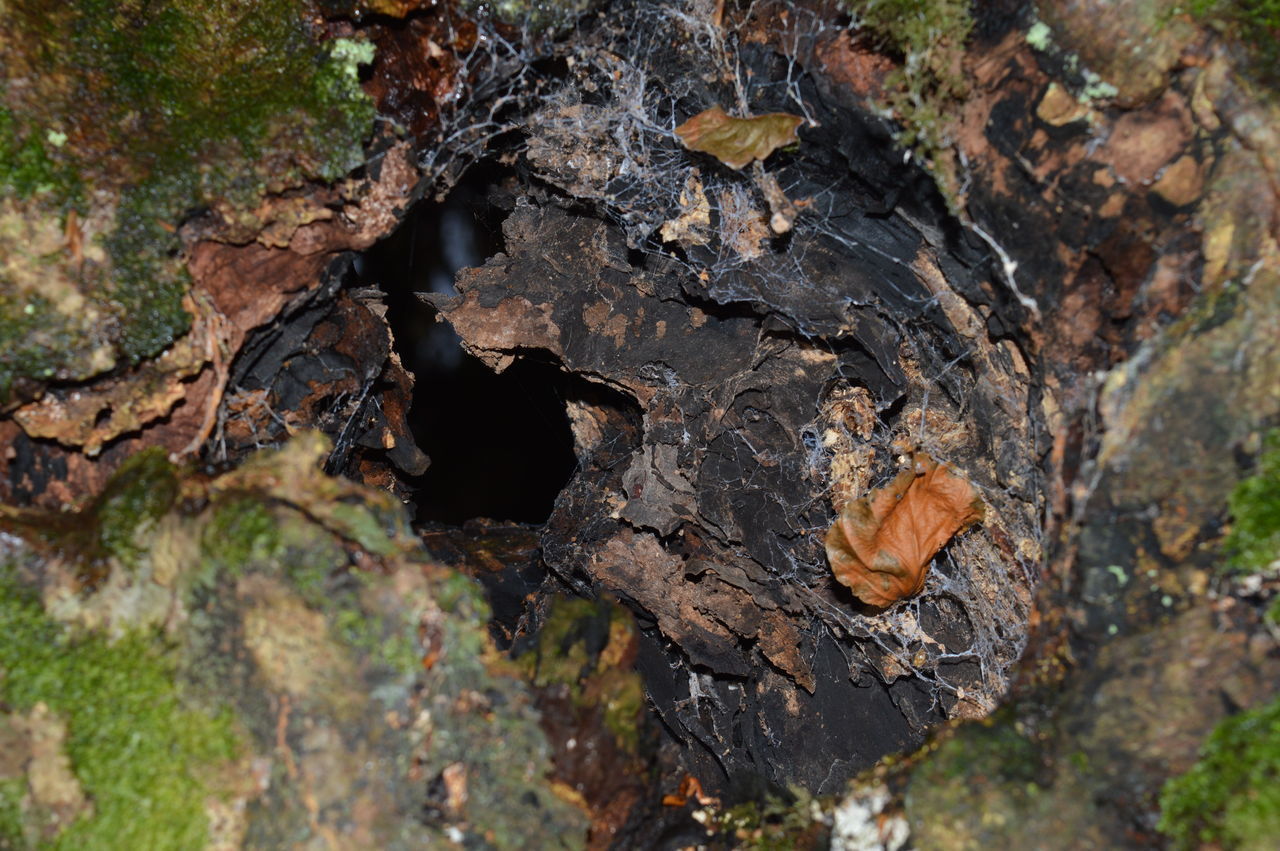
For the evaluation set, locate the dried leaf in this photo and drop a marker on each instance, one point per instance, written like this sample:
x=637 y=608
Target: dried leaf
x=881 y=545
x=738 y=141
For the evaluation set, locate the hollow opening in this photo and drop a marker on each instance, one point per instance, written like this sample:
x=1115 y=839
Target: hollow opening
x=499 y=443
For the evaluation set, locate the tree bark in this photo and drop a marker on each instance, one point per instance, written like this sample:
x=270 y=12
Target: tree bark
x=1068 y=294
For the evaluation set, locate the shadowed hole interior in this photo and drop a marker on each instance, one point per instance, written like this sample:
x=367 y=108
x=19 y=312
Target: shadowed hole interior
x=499 y=444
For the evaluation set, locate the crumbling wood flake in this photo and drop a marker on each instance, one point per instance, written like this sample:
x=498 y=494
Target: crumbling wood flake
x=881 y=545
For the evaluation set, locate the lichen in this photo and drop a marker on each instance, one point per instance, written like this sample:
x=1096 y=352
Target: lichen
x=1089 y=86
x=1039 y=36
x=1231 y=797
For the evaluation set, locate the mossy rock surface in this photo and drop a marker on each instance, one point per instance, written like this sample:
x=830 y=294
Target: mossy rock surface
x=225 y=674
x=1231 y=796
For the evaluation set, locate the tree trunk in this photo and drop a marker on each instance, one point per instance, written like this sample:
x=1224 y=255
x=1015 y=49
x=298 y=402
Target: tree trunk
x=1017 y=368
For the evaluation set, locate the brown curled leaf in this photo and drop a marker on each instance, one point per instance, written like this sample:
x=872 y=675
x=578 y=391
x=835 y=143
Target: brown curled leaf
x=881 y=545
x=738 y=141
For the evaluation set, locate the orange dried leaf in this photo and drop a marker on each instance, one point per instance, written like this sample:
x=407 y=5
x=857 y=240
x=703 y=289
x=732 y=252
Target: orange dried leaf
x=881 y=545
x=738 y=141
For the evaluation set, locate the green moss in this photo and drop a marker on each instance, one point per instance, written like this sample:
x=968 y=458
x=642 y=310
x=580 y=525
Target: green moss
x=1231 y=797
x=1254 y=541
x=311 y=558
x=461 y=597
x=361 y=524
x=148 y=279
x=582 y=646
x=260 y=524
x=139 y=493
x=241 y=531
x=170 y=108
x=775 y=823
x=26 y=169
x=11 y=832
x=977 y=783
x=561 y=655
x=991 y=749
x=930 y=36
x=1256 y=23
x=247 y=533
x=918 y=29
x=27 y=348
x=142 y=756
x=201 y=90
x=392 y=643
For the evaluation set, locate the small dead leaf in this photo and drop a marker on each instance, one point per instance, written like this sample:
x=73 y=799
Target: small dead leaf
x=738 y=141
x=881 y=545
x=690 y=787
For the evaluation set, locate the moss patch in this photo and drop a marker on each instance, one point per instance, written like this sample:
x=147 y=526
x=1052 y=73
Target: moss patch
x=1256 y=23
x=254 y=575
x=1254 y=541
x=143 y=113
x=240 y=532
x=983 y=787
x=1231 y=797
x=138 y=494
x=777 y=823
x=26 y=168
x=587 y=646
x=929 y=36
x=142 y=756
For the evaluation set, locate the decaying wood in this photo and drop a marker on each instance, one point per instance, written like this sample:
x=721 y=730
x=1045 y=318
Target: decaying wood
x=742 y=387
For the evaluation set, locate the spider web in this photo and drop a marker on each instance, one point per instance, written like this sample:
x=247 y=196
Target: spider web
x=864 y=274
